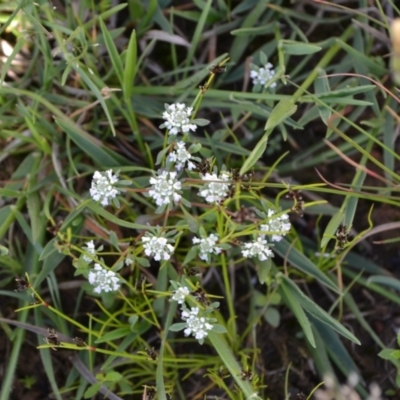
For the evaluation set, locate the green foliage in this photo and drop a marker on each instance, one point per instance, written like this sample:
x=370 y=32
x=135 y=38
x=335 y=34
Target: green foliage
x=87 y=88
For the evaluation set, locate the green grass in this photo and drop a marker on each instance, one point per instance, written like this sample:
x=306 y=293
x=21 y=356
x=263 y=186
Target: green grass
x=84 y=88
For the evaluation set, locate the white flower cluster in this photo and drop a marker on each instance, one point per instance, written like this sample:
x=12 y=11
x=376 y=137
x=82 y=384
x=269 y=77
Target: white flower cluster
x=263 y=75
x=165 y=188
x=277 y=226
x=180 y=294
x=218 y=187
x=207 y=246
x=195 y=325
x=103 y=187
x=103 y=279
x=257 y=248
x=177 y=119
x=157 y=247
x=91 y=250
x=180 y=156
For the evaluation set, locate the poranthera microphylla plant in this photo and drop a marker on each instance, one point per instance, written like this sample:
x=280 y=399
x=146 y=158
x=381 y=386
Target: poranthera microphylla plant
x=192 y=205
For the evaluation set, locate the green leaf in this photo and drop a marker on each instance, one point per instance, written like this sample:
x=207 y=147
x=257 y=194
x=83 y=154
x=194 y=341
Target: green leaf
x=396 y=354
x=272 y=316
x=298 y=48
x=90 y=145
x=192 y=222
x=92 y=390
x=113 y=52
x=200 y=121
x=143 y=262
x=388 y=281
x=283 y=110
x=292 y=303
x=217 y=328
x=363 y=59
x=255 y=155
x=259 y=30
x=225 y=354
x=316 y=310
x=113 y=335
x=130 y=67
x=263 y=270
x=3 y=250
x=114 y=239
x=97 y=209
x=332 y=228
x=178 y=327
x=321 y=85
x=113 y=376
x=190 y=255
x=386 y=354
x=303 y=263
x=342 y=93
x=132 y=322
x=336 y=350
x=95 y=90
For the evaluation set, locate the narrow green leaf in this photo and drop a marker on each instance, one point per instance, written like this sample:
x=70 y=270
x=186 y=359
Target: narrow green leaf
x=97 y=209
x=85 y=77
x=320 y=357
x=198 y=32
x=225 y=353
x=92 y=390
x=363 y=59
x=321 y=85
x=298 y=312
x=255 y=155
x=283 y=110
x=388 y=281
x=337 y=351
x=316 y=310
x=113 y=52
x=344 y=92
x=113 y=335
x=90 y=145
x=298 y=48
x=130 y=67
x=160 y=373
x=303 y=263
x=178 y=327
x=16 y=49
x=259 y=30
x=332 y=227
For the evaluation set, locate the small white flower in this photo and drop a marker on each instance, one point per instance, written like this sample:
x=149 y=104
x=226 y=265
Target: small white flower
x=103 y=187
x=103 y=280
x=177 y=119
x=263 y=75
x=157 y=246
x=128 y=261
x=207 y=246
x=257 y=248
x=196 y=326
x=165 y=188
x=217 y=189
x=180 y=294
x=280 y=226
x=180 y=156
x=91 y=250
